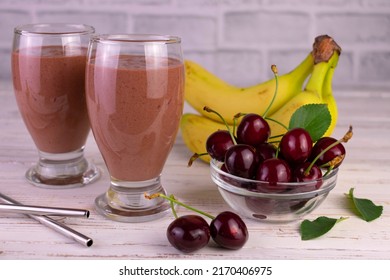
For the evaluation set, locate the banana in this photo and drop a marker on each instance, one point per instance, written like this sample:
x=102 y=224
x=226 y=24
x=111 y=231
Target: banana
x=317 y=91
x=328 y=98
x=203 y=88
x=195 y=129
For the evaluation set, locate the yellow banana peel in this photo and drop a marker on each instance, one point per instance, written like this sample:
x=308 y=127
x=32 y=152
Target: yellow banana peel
x=203 y=88
x=195 y=129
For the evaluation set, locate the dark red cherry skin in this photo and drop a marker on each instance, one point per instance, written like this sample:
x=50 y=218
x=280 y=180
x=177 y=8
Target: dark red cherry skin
x=241 y=161
x=188 y=233
x=265 y=151
x=296 y=145
x=273 y=171
x=224 y=169
x=229 y=231
x=322 y=144
x=261 y=207
x=218 y=143
x=314 y=175
x=253 y=130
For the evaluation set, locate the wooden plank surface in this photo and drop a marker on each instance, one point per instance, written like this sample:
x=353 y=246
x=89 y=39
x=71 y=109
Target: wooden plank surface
x=366 y=168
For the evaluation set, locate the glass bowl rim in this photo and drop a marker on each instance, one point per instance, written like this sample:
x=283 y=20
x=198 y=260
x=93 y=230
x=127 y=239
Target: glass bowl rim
x=244 y=192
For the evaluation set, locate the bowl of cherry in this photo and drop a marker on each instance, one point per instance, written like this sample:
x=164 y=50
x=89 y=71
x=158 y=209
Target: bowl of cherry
x=271 y=202
x=274 y=183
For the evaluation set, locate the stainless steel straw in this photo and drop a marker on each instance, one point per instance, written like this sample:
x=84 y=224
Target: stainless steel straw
x=53 y=224
x=43 y=210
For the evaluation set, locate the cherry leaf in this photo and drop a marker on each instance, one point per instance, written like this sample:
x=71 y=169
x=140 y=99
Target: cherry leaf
x=318 y=227
x=315 y=118
x=365 y=208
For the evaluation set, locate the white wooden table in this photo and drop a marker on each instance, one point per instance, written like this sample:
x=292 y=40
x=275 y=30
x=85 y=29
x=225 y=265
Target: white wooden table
x=366 y=168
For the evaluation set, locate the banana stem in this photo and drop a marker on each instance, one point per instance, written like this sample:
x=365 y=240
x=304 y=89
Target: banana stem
x=317 y=79
x=327 y=85
x=328 y=98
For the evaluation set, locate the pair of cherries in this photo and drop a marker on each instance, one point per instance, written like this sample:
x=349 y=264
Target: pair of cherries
x=189 y=233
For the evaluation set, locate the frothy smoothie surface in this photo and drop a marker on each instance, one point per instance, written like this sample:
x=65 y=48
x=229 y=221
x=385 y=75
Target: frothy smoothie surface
x=49 y=84
x=135 y=105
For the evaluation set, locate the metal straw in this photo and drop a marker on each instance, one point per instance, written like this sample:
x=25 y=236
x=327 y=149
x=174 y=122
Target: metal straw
x=43 y=210
x=53 y=224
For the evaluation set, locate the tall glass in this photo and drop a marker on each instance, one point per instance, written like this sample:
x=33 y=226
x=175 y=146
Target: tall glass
x=48 y=68
x=135 y=93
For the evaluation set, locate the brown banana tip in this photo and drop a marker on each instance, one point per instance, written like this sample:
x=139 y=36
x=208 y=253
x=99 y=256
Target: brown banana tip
x=323 y=48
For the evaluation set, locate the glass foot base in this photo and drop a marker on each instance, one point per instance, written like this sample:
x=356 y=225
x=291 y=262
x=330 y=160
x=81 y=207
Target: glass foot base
x=59 y=171
x=62 y=182
x=128 y=203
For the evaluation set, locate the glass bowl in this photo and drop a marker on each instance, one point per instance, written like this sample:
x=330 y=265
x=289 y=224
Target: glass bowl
x=278 y=203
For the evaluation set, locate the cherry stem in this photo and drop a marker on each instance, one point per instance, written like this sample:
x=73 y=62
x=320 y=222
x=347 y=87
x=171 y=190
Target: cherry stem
x=239 y=115
x=333 y=162
x=173 y=206
x=235 y=118
x=276 y=121
x=275 y=71
x=208 y=109
x=173 y=200
x=276 y=136
x=195 y=157
x=328 y=171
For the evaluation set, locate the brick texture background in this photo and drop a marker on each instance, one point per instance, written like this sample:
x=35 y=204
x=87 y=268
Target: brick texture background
x=236 y=39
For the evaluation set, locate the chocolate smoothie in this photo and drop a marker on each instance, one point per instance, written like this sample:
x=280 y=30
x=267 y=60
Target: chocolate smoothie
x=49 y=88
x=135 y=113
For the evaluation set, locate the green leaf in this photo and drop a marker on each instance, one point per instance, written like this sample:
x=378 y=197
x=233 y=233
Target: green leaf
x=315 y=118
x=318 y=227
x=365 y=208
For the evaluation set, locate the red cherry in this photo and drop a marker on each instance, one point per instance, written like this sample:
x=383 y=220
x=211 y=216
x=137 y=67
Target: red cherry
x=253 y=130
x=336 y=151
x=274 y=171
x=296 y=145
x=228 y=230
x=241 y=161
x=188 y=233
x=314 y=175
x=218 y=143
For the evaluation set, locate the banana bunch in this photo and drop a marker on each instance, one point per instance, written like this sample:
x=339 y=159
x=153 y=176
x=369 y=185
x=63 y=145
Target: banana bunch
x=203 y=88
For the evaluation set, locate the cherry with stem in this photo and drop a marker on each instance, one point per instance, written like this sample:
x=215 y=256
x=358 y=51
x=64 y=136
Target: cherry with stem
x=227 y=229
x=210 y=110
x=348 y=135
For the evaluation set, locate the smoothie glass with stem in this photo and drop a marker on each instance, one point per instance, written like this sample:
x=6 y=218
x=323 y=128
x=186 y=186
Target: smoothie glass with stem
x=48 y=70
x=135 y=95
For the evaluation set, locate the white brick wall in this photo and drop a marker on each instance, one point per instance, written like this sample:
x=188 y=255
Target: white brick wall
x=237 y=39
